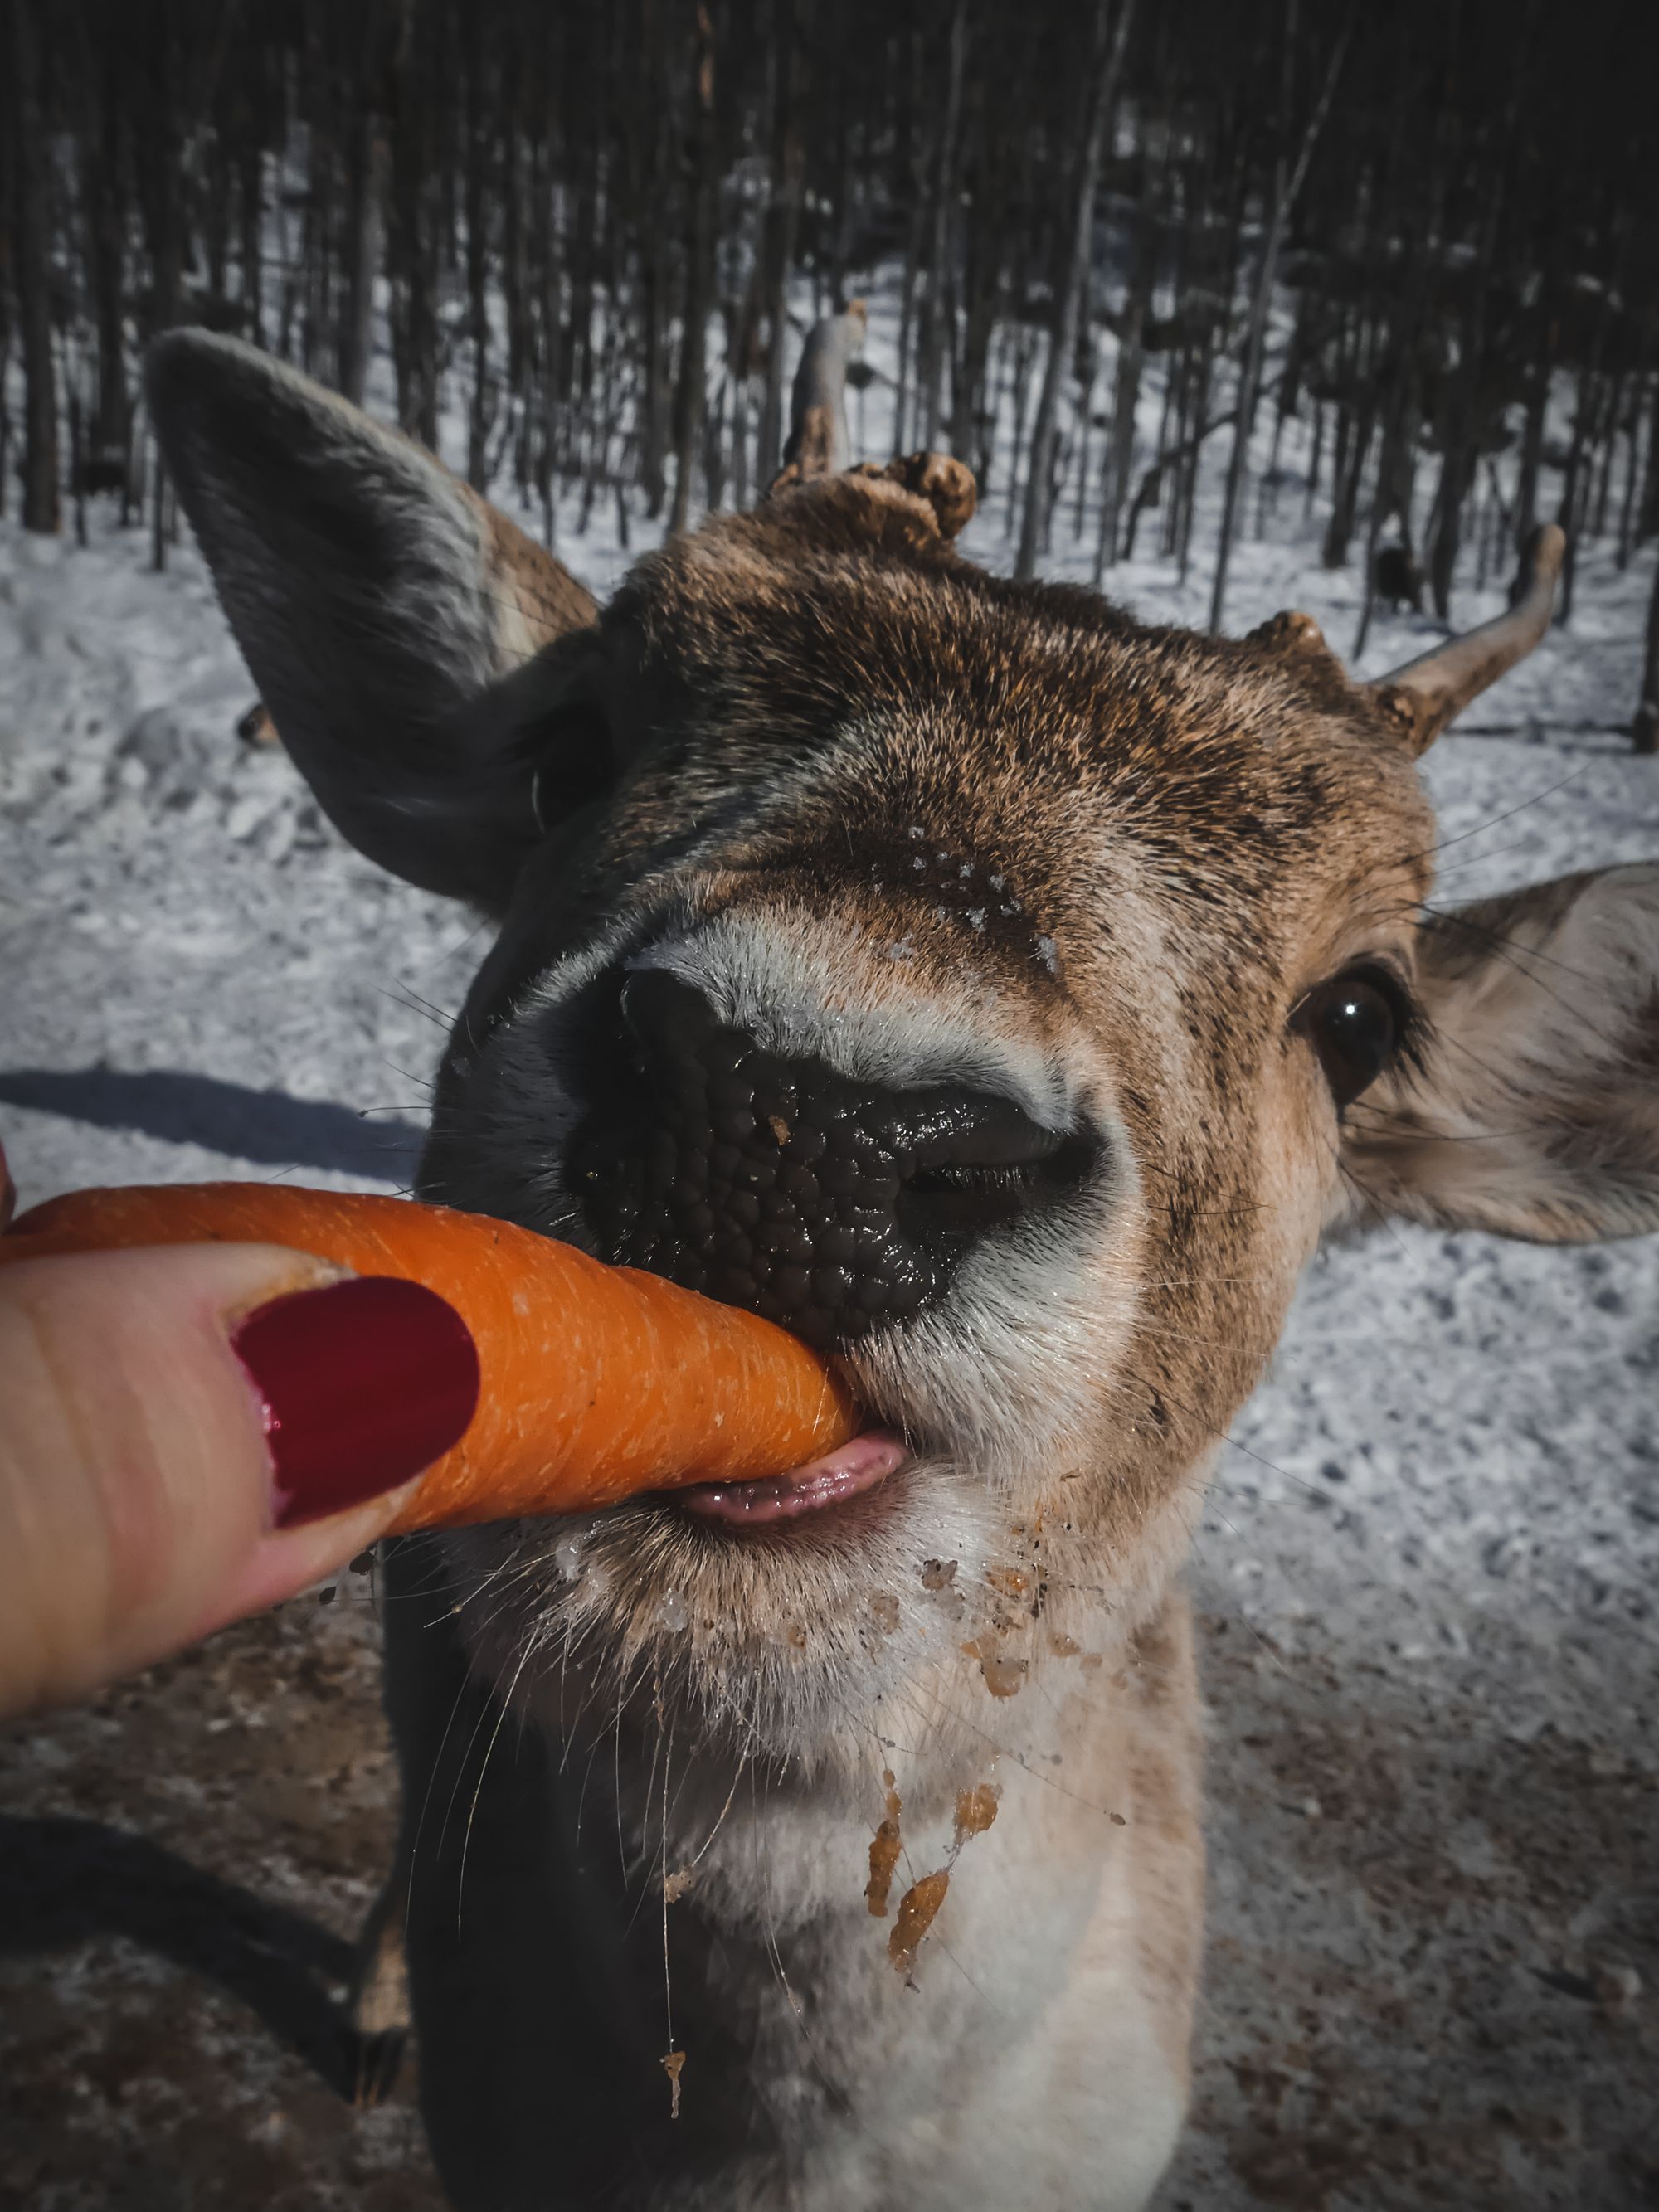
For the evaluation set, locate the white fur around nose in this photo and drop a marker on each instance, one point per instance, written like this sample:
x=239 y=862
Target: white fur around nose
x=809 y=992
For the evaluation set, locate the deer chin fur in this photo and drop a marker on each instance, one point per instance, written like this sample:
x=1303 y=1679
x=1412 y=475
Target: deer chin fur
x=1080 y=1908
x=788 y=1647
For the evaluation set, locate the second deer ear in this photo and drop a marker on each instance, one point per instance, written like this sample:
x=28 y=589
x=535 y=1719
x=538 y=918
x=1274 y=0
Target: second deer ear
x=383 y=609
x=1532 y=1107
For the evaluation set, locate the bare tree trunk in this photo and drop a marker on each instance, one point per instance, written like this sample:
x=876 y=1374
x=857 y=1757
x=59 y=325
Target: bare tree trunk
x=515 y=269
x=1648 y=522
x=103 y=239
x=1532 y=449
x=1570 y=513
x=77 y=457
x=32 y=198
x=1062 y=345
x=1126 y=389
x=781 y=226
x=969 y=414
x=1020 y=386
x=1348 y=477
x=251 y=194
x=1315 y=457
x=164 y=216
x=909 y=134
x=1608 y=427
x=653 y=474
x=1459 y=425
x=1644 y=731
x=550 y=321
x=1186 y=504
x=481 y=413
x=714 y=446
x=1632 y=462
x=655 y=305
x=1249 y=376
x=1395 y=474
x=316 y=324
x=366 y=164
x=413 y=241
x=692 y=398
x=931 y=348
x=5 y=411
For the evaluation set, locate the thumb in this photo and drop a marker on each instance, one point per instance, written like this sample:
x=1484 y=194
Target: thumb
x=195 y=1430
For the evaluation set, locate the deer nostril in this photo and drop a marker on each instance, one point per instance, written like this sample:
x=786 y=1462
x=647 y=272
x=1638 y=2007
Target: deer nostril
x=981 y=1181
x=673 y=1022
x=833 y=1206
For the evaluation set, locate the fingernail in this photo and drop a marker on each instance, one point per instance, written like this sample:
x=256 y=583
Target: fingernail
x=8 y=1192
x=364 y=1382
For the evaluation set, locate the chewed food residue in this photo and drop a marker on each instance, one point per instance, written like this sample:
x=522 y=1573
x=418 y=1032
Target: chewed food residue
x=918 y=1909
x=975 y=1811
x=885 y=1847
x=673 y=2066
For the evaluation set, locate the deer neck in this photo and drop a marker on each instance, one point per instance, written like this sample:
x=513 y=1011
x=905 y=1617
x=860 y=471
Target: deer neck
x=858 y=2014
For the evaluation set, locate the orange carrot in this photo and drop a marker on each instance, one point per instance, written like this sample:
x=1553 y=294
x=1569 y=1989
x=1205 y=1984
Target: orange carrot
x=597 y=1382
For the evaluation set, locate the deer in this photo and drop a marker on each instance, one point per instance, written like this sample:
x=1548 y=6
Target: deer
x=1007 y=995
x=1398 y=577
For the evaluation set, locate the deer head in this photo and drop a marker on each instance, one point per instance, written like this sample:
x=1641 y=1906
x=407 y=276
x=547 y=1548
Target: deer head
x=1002 y=992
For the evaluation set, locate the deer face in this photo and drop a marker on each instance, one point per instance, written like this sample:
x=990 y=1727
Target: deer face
x=947 y=986
x=1000 y=993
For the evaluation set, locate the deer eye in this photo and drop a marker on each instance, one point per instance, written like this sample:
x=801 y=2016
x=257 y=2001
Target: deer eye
x=1357 y=1023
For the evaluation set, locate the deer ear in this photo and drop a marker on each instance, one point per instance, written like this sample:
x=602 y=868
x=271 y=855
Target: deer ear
x=1535 y=1111
x=383 y=609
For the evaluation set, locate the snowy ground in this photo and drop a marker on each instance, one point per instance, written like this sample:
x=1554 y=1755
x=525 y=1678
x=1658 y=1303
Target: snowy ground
x=1425 y=1580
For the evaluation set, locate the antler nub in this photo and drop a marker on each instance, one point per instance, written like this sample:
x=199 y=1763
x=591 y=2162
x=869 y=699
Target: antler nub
x=817 y=444
x=926 y=497
x=1290 y=632
x=1427 y=693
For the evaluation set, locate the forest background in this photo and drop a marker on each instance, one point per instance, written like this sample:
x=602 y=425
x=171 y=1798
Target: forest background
x=1424 y=235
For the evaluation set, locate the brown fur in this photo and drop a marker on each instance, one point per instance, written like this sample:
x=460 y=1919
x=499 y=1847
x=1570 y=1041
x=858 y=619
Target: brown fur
x=867 y=795
x=1187 y=835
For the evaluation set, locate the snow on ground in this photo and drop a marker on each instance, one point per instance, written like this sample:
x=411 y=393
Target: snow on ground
x=1425 y=1579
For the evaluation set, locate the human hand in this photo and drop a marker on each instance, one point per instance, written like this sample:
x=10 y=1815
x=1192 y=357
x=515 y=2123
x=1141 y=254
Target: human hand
x=194 y=1431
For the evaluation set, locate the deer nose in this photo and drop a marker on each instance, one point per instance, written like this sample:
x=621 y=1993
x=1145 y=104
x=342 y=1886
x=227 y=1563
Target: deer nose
x=831 y=1206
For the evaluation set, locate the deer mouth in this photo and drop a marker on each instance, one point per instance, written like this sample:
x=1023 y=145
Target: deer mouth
x=854 y=1468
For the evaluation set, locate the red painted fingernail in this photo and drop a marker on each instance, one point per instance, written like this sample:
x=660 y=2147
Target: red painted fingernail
x=364 y=1382
x=8 y=1192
